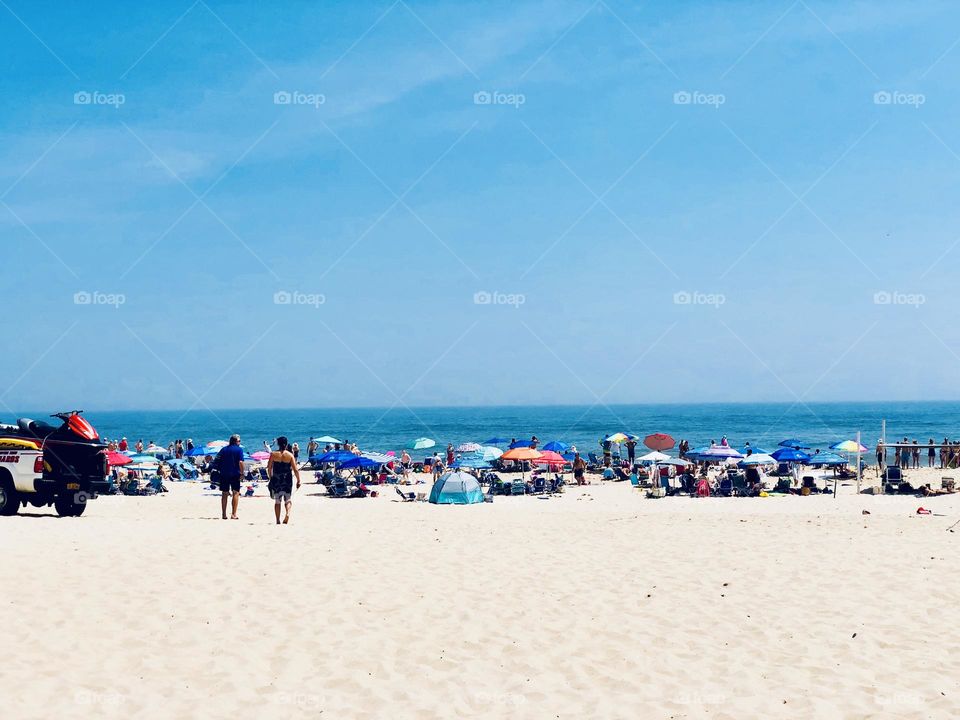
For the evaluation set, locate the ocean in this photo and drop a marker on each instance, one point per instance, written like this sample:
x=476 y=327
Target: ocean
x=763 y=425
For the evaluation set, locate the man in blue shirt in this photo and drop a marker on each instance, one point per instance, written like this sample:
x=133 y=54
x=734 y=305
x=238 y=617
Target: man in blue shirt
x=229 y=464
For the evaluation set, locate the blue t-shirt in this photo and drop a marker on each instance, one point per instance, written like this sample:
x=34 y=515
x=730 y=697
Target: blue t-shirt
x=228 y=461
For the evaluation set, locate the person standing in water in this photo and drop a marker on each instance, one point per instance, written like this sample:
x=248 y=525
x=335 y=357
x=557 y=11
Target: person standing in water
x=281 y=468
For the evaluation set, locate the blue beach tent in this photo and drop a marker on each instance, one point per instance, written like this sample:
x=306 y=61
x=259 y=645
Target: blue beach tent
x=456 y=488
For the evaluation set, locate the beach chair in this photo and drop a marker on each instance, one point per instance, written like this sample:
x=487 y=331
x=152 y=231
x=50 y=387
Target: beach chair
x=131 y=486
x=539 y=484
x=263 y=475
x=339 y=488
x=406 y=496
x=892 y=479
x=593 y=462
x=725 y=487
x=518 y=487
x=739 y=486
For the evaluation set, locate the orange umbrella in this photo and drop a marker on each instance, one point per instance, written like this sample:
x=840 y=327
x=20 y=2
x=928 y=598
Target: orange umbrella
x=521 y=453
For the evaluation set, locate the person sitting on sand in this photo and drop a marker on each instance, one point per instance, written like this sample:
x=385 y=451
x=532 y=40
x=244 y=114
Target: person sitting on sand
x=229 y=465
x=281 y=467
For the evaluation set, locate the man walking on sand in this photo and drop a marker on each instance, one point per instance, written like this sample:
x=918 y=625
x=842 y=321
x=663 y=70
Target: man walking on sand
x=229 y=463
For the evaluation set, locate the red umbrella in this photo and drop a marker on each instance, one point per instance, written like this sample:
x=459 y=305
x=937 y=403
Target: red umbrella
x=659 y=441
x=548 y=457
x=115 y=458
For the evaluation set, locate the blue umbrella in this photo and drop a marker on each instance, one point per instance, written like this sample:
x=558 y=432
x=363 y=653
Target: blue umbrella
x=794 y=443
x=470 y=462
x=827 y=459
x=753 y=450
x=200 y=452
x=789 y=454
x=556 y=446
x=496 y=441
x=519 y=443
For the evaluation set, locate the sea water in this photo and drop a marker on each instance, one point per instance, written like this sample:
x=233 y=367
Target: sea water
x=817 y=425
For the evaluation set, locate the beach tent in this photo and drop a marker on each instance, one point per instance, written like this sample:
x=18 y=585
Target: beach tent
x=456 y=488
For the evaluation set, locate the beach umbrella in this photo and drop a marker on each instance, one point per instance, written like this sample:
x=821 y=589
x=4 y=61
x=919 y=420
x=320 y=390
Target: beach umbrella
x=468 y=447
x=758 y=458
x=659 y=441
x=849 y=446
x=654 y=456
x=551 y=458
x=217 y=444
x=496 y=441
x=328 y=439
x=260 y=455
x=520 y=454
x=829 y=459
x=143 y=458
x=471 y=461
x=520 y=444
x=556 y=446
x=720 y=452
x=422 y=444
x=753 y=450
x=489 y=453
x=201 y=451
x=617 y=437
x=115 y=458
x=789 y=454
x=679 y=462
x=155 y=450
x=794 y=443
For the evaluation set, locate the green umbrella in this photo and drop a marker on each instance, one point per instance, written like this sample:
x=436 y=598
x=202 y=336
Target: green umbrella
x=422 y=444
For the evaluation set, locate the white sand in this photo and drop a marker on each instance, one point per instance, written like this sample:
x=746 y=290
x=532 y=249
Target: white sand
x=595 y=604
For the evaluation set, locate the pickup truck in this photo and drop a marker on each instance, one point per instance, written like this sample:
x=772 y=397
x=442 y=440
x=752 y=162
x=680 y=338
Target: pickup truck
x=43 y=465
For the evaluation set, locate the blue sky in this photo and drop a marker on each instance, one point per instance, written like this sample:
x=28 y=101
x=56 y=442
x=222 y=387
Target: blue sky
x=678 y=201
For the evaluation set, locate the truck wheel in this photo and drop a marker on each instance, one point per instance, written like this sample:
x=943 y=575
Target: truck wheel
x=70 y=504
x=9 y=497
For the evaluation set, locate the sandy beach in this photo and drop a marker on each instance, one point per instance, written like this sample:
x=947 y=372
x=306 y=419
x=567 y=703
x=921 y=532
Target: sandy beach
x=594 y=603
